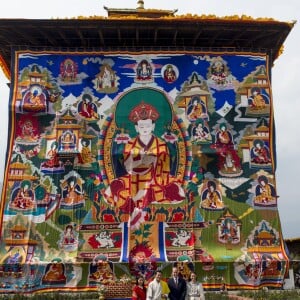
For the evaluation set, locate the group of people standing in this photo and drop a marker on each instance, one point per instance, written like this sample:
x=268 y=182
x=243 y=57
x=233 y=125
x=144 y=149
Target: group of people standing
x=176 y=288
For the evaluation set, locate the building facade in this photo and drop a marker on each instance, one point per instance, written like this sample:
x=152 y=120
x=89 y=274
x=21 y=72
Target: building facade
x=140 y=141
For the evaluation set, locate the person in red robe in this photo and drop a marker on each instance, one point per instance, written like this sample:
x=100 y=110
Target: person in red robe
x=139 y=290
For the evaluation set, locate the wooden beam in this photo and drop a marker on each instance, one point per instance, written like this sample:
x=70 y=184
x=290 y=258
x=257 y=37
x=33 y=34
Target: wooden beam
x=137 y=36
x=175 y=38
x=119 y=35
x=102 y=42
x=196 y=37
x=44 y=33
x=83 y=41
x=155 y=36
x=64 y=38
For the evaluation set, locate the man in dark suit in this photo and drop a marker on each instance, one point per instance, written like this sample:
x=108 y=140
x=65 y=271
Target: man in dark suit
x=177 y=286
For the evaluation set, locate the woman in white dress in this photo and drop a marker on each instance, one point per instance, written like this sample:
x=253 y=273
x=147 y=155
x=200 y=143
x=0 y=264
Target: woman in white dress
x=194 y=289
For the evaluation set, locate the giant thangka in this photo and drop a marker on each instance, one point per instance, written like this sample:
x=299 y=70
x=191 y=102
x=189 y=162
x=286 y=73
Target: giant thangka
x=121 y=163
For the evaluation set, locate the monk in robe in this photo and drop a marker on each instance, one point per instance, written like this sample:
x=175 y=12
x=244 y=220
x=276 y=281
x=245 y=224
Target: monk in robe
x=258 y=101
x=55 y=273
x=147 y=162
x=265 y=192
x=211 y=198
x=196 y=111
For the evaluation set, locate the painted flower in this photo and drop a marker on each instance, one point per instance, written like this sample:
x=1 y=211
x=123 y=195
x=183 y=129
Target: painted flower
x=122 y=138
x=169 y=137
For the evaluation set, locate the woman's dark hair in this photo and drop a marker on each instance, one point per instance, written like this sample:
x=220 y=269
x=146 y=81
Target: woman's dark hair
x=137 y=280
x=190 y=277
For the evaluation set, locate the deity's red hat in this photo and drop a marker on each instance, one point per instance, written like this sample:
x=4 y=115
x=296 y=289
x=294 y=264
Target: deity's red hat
x=143 y=111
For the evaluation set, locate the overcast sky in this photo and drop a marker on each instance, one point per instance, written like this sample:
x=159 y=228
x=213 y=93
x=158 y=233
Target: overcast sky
x=285 y=75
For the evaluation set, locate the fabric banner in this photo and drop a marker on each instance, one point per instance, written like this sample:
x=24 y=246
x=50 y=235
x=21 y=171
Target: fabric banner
x=120 y=163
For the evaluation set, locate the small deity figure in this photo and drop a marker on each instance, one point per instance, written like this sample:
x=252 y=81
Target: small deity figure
x=218 y=72
x=223 y=136
x=34 y=99
x=252 y=271
x=104 y=239
x=54 y=273
x=229 y=231
x=257 y=101
x=72 y=193
x=169 y=74
x=211 y=197
x=87 y=108
x=231 y=163
x=199 y=132
x=182 y=236
x=144 y=71
x=86 y=156
x=23 y=198
x=69 y=239
x=68 y=70
x=106 y=78
x=53 y=164
x=67 y=141
x=196 y=109
x=270 y=266
x=28 y=132
x=264 y=192
x=101 y=270
x=260 y=153
x=228 y=159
